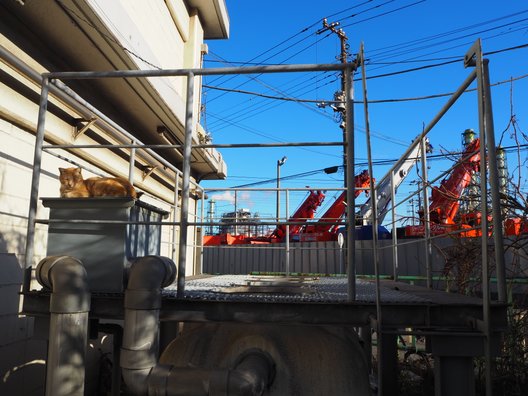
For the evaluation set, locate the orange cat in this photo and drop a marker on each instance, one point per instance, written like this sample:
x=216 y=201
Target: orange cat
x=74 y=186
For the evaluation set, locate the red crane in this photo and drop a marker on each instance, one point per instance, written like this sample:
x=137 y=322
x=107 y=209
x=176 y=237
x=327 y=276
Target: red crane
x=334 y=213
x=305 y=212
x=445 y=200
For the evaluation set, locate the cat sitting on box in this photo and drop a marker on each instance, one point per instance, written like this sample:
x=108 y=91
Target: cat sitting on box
x=73 y=185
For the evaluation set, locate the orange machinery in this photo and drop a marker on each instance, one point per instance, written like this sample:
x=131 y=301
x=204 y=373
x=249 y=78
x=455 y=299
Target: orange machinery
x=328 y=232
x=305 y=212
x=445 y=200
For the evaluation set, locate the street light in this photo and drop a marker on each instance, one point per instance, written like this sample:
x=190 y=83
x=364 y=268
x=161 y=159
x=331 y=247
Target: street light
x=279 y=164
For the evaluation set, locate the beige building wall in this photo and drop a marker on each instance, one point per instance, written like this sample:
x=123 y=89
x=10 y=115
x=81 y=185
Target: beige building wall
x=175 y=41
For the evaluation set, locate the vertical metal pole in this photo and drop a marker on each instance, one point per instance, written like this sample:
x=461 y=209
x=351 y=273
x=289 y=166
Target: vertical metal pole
x=484 y=217
x=394 y=233
x=65 y=374
x=495 y=188
x=132 y=163
x=35 y=178
x=427 y=219
x=287 y=244
x=278 y=191
x=174 y=214
x=350 y=191
x=186 y=177
x=202 y=233
x=374 y=222
x=340 y=243
x=236 y=214
x=131 y=166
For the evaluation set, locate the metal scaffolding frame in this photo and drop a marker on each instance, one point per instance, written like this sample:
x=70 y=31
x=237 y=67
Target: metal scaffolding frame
x=50 y=82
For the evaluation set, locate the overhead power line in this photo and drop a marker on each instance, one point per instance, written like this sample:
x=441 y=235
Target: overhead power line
x=254 y=107
x=389 y=50
x=339 y=168
x=384 y=13
x=287 y=99
x=282 y=50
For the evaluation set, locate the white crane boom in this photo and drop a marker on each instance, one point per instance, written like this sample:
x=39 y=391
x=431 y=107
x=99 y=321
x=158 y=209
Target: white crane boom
x=383 y=187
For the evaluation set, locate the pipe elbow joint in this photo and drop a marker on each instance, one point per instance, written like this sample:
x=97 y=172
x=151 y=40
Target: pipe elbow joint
x=151 y=272
x=68 y=281
x=146 y=277
x=254 y=372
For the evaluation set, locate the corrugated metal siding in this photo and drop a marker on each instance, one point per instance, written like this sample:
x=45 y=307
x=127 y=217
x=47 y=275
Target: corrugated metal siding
x=323 y=258
x=311 y=257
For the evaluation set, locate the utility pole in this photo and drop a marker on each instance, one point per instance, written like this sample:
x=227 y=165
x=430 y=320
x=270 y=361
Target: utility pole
x=339 y=96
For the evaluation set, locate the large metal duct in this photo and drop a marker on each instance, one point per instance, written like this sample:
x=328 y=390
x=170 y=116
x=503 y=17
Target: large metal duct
x=252 y=375
x=139 y=353
x=284 y=359
x=69 y=307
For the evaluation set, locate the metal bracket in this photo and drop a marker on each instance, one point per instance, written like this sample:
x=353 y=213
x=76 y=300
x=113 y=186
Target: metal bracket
x=81 y=129
x=147 y=171
x=470 y=59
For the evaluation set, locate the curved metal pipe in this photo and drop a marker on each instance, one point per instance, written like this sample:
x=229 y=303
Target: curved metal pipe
x=69 y=307
x=117 y=333
x=139 y=353
x=252 y=374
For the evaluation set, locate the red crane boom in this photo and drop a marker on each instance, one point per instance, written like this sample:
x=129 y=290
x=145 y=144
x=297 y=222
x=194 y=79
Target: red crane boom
x=445 y=199
x=305 y=212
x=338 y=208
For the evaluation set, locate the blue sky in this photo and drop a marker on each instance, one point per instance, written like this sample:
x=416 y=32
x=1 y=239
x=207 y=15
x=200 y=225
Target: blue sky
x=398 y=35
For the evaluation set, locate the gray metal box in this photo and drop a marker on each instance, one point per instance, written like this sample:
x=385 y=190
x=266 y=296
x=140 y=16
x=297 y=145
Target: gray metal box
x=105 y=249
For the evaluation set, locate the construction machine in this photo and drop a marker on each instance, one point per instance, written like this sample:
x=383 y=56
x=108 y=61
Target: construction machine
x=392 y=180
x=394 y=177
x=305 y=212
x=327 y=232
x=445 y=199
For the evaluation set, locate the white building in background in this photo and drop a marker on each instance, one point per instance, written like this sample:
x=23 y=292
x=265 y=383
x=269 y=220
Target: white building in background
x=72 y=35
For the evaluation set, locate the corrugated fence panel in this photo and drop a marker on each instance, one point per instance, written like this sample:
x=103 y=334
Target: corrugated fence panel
x=313 y=257
x=324 y=257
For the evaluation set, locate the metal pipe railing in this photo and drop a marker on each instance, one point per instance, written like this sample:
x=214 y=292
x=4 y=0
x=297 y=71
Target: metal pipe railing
x=494 y=185
x=374 y=223
x=427 y=216
x=190 y=73
x=196 y=72
x=481 y=74
x=35 y=178
x=85 y=109
x=194 y=146
x=186 y=176
x=350 y=184
x=76 y=101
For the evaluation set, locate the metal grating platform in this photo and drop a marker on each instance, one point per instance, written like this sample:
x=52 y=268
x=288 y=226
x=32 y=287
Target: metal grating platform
x=300 y=300
x=280 y=289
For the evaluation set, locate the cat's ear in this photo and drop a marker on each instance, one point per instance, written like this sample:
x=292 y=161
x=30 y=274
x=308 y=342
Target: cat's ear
x=78 y=170
x=61 y=170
